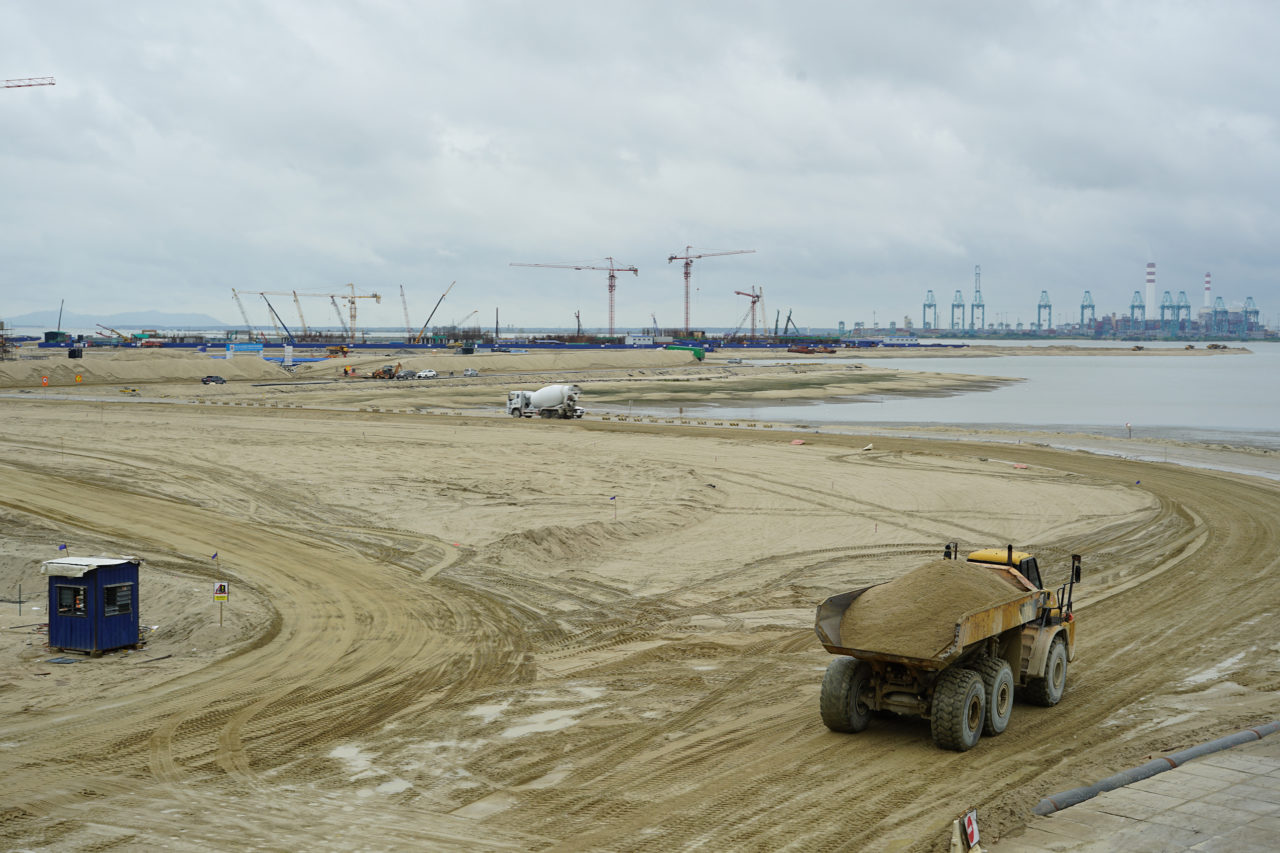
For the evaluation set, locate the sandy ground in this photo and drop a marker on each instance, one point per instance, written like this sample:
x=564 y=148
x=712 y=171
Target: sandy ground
x=464 y=632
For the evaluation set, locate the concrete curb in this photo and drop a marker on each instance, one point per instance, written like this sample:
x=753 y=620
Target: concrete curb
x=1075 y=796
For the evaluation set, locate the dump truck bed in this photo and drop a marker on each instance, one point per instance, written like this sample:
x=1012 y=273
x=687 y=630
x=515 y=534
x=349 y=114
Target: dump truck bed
x=929 y=616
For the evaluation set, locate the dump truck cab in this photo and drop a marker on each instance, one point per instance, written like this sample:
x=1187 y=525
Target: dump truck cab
x=1025 y=564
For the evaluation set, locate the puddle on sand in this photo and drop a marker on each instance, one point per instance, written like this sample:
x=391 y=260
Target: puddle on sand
x=394 y=786
x=547 y=721
x=1214 y=672
x=492 y=804
x=356 y=761
x=555 y=777
x=489 y=713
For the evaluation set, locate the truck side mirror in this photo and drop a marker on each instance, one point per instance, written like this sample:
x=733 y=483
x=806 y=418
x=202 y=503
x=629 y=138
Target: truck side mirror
x=1075 y=568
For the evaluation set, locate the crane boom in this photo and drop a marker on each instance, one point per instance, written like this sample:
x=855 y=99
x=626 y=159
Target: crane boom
x=688 y=259
x=418 y=339
x=613 y=269
x=408 y=327
x=249 y=330
x=351 y=305
x=341 y=322
x=298 y=304
x=274 y=313
x=22 y=82
x=755 y=298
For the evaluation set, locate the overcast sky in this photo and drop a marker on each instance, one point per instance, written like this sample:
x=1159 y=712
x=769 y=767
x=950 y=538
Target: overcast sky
x=867 y=152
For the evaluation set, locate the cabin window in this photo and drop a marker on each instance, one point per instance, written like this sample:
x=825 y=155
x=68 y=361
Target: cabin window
x=71 y=601
x=117 y=599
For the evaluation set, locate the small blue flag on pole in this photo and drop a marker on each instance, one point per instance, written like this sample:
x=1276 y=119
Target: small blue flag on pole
x=614 y=498
x=215 y=556
x=62 y=547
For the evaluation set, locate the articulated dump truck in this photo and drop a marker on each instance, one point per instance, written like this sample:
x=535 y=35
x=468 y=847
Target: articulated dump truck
x=950 y=641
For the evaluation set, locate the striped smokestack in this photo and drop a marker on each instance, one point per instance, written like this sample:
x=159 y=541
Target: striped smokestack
x=1207 y=291
x=1151 y=286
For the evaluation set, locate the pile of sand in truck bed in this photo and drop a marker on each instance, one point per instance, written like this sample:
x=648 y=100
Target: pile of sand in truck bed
x=915 y=615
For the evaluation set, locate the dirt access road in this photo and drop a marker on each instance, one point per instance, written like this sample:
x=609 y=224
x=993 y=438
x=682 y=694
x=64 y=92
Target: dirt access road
x=441 y=638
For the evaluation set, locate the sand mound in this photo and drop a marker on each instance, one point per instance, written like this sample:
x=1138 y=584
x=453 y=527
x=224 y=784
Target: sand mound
x=129 y=366
x=915 y=615
x=552 y=543
x=444 y=361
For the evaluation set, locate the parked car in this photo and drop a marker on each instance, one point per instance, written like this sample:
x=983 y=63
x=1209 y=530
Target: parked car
x=406 y=374
x=470 y=371
x=426 y=374
x=213 y=380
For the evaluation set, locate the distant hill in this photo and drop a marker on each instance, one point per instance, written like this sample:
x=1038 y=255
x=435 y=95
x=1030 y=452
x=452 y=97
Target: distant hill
x=127 y=321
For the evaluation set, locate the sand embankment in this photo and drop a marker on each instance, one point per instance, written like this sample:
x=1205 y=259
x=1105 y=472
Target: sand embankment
x=34 y=368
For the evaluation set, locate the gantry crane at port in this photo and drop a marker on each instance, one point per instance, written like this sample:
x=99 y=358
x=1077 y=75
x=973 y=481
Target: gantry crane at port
x=1086 y=304
x=688 y=259
x=978 y=306
x=613 y=269
x=23 y=82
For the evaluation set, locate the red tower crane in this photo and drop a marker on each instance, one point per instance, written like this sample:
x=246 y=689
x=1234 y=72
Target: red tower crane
x=688 y=269
x=755 y=298
x=613 y=269
x=28 y=81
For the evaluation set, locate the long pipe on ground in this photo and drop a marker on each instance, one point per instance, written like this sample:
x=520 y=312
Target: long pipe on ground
x=1075 y=796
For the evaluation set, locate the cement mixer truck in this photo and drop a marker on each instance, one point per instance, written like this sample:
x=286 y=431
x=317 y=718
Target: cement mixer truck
x=552 y=401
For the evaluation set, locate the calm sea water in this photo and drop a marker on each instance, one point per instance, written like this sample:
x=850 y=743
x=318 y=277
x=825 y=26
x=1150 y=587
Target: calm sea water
x=1196 y=398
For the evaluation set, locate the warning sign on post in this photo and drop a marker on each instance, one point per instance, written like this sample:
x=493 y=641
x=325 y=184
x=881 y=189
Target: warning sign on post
x=971 y=828
x=221 y=591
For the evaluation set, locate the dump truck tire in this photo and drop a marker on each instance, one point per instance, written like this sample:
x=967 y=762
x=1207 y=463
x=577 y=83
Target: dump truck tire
x=840 y=704
x=959 y=709
x=997 y=678
x=1048 y=690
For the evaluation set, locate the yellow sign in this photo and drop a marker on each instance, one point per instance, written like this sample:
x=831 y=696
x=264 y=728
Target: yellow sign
x=79 y=377
x=221 y=591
